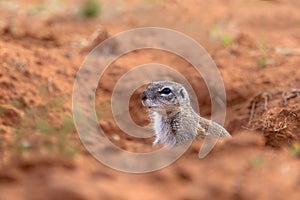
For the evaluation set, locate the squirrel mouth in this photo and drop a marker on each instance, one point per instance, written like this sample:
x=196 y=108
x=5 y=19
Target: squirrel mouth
x=148 y=105
x=153 y=107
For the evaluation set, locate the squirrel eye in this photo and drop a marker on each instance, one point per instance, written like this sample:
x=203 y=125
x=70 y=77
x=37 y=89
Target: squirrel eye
x=166 y=91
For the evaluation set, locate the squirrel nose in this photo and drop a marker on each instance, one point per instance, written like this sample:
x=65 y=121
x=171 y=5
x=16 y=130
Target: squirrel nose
x=143 y=96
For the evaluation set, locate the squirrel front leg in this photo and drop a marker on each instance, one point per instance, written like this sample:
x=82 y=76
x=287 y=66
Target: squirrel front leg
x=213 y=128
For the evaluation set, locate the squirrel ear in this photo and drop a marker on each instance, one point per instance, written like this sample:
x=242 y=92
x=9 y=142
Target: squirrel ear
x=182 y=93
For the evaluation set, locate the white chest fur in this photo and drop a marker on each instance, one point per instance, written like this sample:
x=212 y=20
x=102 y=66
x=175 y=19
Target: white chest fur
x=158 y=124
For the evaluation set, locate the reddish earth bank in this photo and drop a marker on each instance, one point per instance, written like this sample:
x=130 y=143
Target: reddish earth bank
x=255 y=45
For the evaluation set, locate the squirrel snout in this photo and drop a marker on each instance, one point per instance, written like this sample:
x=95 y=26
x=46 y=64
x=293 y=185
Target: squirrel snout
x=143 y=96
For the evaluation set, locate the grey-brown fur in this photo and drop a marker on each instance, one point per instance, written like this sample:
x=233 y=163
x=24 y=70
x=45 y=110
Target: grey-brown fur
x=174 y=120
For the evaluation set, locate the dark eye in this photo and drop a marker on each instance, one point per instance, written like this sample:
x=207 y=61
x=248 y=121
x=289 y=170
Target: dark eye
x=166 y=91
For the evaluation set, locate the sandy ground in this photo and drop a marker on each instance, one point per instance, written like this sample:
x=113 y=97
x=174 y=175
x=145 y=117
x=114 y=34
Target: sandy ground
x=256 y=46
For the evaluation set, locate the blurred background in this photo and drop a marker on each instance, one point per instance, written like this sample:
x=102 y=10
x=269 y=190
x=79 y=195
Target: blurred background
x=256 y=46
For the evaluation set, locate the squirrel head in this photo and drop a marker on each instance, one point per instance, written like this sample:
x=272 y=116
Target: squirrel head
x=165 y=97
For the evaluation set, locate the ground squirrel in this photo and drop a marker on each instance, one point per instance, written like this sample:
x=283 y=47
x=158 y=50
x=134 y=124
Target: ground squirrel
x=174 y=120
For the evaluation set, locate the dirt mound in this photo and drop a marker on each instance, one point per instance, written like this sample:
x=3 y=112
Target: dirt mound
x=277 y=116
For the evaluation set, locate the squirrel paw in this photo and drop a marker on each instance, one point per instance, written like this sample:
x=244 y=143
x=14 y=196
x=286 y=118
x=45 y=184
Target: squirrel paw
x=156 y=141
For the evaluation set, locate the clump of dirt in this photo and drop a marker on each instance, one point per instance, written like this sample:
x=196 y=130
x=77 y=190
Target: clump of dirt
x=277 y=117
x=280 y=126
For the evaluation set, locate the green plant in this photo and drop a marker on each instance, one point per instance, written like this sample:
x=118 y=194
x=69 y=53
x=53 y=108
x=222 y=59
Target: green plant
x=21 y=144
x=46 y=128
x=262 y=62
x=37 y=9
x=91 y=8
x=256 y=161
x=295 y=149
x=220 y=34
x=265 y=58
x=58 y=102
x=63 y=135
x=55 y=103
